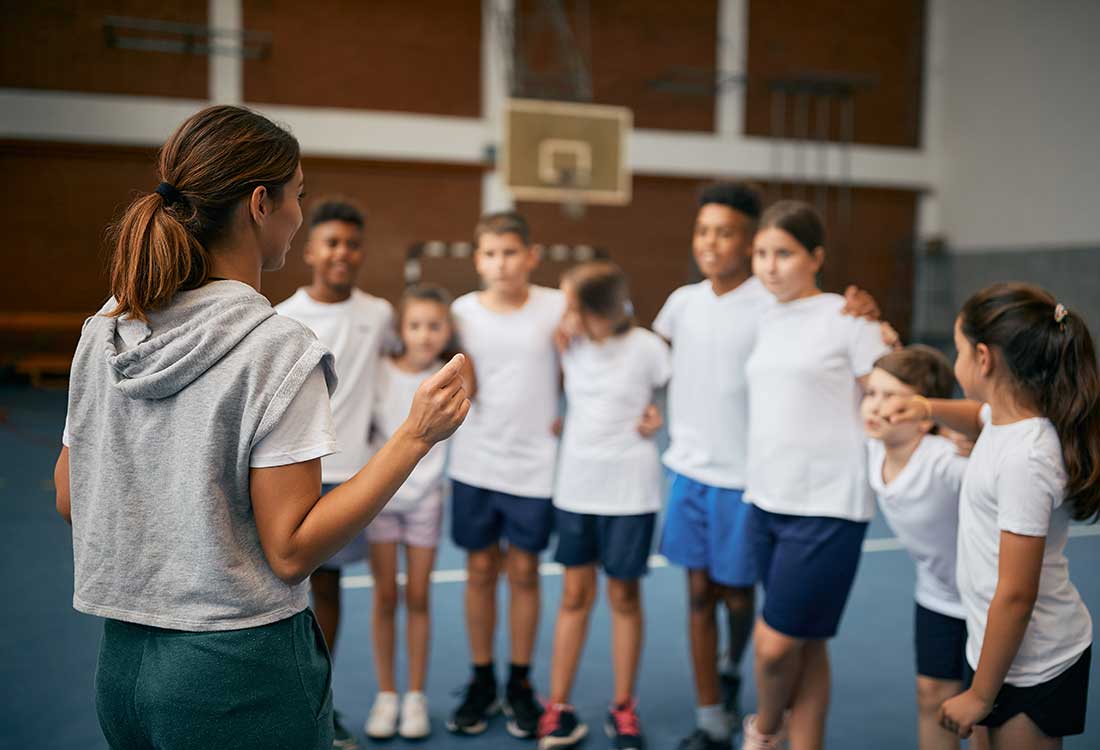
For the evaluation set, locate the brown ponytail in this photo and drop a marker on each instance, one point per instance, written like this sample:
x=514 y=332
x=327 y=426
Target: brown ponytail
x=1050 y=355
x=161 y=244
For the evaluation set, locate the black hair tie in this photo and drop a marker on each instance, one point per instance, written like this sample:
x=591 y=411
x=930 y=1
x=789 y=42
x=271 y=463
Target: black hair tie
x=169 y=193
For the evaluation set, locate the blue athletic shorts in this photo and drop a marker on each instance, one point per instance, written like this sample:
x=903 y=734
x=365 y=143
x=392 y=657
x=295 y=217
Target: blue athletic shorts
x=940 y=644
x=807 y=565
x=620 y=544
x=481 y=517
x=706 y=528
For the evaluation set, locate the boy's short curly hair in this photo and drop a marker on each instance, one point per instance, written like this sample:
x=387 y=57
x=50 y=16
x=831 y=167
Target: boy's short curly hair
x=740 y=196
x=336 y=209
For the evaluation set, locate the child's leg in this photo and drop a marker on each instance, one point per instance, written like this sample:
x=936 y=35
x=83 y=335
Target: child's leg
x=810 y=703
x=625 y=598
x=703 y=634
x=420 y=561
x=741 y=612
x=324 y=584
x=931 y=693
x=383 y=566
x=578 y=594
x=482 y=569
x=779 y=665
x=523 y=605
x=1020 y=733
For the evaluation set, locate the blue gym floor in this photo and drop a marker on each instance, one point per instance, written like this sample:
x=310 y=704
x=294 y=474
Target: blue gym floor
x=48 y=651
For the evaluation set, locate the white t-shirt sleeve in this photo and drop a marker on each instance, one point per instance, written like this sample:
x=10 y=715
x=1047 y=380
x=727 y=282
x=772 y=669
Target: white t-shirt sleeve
x=665 y=322
x=65 y=433
x=865 y=345
x=390 y=342
x=1028 y=491
x=951 y=468
x=660 y=362
x=304 y=432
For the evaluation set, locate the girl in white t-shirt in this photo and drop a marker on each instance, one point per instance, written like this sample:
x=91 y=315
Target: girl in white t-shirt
x=917 y=475
x=607 y=493
x=807 y=473
x=1035 y=466
x=411 y=519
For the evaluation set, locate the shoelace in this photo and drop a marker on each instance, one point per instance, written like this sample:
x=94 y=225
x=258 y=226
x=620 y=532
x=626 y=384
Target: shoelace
x=550 y=718
x=626 y=719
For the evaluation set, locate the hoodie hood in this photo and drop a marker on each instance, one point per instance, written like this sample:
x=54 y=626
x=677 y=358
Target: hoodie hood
x=181 y=342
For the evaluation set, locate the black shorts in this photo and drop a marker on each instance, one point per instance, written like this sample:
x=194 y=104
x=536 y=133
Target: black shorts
x=1057 y=706
x=940 y=644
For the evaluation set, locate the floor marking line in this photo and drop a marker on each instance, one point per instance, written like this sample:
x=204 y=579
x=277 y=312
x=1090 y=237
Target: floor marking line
x=546 y=569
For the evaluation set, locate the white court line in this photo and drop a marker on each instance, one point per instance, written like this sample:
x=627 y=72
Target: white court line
x=883 y=544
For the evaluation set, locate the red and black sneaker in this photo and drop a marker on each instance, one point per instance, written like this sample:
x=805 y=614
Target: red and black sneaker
x=559 y=727
x=623 y=726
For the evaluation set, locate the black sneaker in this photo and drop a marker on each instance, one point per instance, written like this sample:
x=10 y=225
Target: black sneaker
x=522 y=710
x=341 y=737
x=731 y=695
x=624 y=728
x=700 y=740
x=559 y=727
x=479 y=703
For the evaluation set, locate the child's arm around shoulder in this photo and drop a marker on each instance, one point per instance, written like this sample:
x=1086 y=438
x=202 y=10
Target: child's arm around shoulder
x=961 y=415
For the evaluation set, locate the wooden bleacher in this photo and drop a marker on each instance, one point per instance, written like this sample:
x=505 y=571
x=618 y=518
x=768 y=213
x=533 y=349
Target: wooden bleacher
x=46 y=343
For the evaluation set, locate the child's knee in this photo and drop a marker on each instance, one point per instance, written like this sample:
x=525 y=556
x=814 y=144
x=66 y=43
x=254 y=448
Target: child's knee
x=624 y=597
x=416 y=601
x=931 y=693
x=385 y=599
x=481 y=569
x=523 y=572
x=773 y=650
x=577 y=599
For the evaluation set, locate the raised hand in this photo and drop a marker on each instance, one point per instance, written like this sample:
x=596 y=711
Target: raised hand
x=440 y=404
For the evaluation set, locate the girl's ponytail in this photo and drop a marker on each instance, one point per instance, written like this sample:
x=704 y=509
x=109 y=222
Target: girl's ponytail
x=1049 y=353
x=161 y=245
x=1071 y=401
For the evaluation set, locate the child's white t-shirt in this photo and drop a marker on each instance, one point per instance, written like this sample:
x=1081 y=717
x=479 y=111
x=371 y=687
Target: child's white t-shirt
x=357 y=331
x=1016 y=483
x=921 y=505
x=807 y=451
x=393 y=395
x=606 y=467
x=708 y=401
x=507 y=442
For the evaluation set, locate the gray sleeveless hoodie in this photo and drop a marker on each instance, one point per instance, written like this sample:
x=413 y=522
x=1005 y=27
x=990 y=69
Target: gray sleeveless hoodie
x=162 y=420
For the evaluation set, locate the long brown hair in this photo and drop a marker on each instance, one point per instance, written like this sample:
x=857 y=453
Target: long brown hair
x=1049 y=353
x=217 y=157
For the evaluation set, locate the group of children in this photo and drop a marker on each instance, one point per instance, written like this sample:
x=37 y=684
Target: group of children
x=789 y=411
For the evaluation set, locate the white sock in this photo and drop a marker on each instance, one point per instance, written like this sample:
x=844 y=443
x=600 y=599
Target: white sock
x=714 y=721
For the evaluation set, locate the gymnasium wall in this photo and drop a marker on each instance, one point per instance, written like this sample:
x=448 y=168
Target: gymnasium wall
x=1019 y=150
x=393 y=103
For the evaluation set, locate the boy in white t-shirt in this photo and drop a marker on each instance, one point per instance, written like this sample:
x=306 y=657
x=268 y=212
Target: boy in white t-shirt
x=502 y=463
x=357 y=328
x=917 y=476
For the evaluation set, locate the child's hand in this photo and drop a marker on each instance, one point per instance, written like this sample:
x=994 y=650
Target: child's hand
x=650 y=422
x=961 y=713
x=916 y=409
x=963 y=444
x=890 y=337
x=555 y=427
x=860 y=304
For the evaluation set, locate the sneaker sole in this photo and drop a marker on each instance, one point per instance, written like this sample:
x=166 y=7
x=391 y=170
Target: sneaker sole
x=609 y=730
x=515 y=729
x=557 y=743
x=479 y=727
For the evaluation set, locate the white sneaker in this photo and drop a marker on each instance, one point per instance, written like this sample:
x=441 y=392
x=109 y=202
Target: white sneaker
x=415 y=724
x=382 y=719
x=753 y=739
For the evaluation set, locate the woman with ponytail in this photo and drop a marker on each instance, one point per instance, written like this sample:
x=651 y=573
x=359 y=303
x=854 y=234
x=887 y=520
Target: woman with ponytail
x=1028 y=366
x=190 y=470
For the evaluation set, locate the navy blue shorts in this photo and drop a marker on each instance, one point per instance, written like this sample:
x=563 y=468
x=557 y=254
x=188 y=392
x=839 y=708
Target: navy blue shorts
x=940 y=644
x=807 y=565
x=1057 y=706
x=620 y=544
x=481 y=517
x=706 y=528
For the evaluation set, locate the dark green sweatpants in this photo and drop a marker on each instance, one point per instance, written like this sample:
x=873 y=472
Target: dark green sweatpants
x=266 y=688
